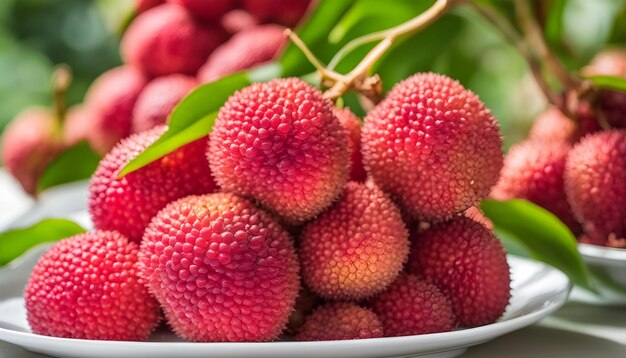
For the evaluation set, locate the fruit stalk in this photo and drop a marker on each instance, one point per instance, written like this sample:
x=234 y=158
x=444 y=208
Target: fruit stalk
x=61 y=80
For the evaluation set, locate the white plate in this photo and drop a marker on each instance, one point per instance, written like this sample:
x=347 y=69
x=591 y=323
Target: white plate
x=537 y=291
x=609 y=264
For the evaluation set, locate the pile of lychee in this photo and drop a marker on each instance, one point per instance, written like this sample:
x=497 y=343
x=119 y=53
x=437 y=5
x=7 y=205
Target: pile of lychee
x=169 y=49
x=290 y=218
x=575 y=167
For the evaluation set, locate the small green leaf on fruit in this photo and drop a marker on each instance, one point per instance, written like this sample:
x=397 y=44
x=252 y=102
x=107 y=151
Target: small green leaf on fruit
x=15 y=242
x=73 y=164
x=609 y=82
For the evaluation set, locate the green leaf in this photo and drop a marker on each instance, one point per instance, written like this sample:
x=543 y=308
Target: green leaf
x=75 y=163
x=15 y=242
x=542 y=234
x=609 y=82
x=554 y=20
x=191 y=119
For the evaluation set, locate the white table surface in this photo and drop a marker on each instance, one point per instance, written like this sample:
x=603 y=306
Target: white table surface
x=579 y=329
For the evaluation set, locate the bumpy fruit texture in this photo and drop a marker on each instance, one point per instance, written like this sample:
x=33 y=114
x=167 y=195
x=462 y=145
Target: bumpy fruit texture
x=477 y=215
x=110 y=101
x=87 y=287
x=207 y=10
x=167 y=39
x=533 y=170
x=306 y=302
x=433 y=146
x=238 y=20
x=158 y=99
x=279 y=143
x=77 y=124
x=29 y=143
x=340 y=320
x=353 y=125
x=284 y=12
x=356 y=248
x=595 y=184
x=127 y=204
x=468 y=264
x=413 y=306
x=554 y=126
x=222 y=269
x=245 y=49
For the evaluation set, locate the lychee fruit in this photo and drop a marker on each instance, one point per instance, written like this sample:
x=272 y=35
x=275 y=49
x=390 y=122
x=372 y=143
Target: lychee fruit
x=206 y=10
x=339 y=321
x=477 y=215
x=306 y=302
x=533 y=170
x=610 y=62
x=110 y=101
x=353 y=125
x=611 y=104
x=284 y=12
x=238 y=20
x=412 y=306
x=167 y=39
x=143 y=5
x=222 y=269
x=87 y=287
x=595 y=184
x=77 y=125
x=246 y=49
x=433 y=146
x=356 y=248
x=280 y=144
x=554 y=126
x=158 y=99
x=127 y=204
x=29 y=143
x=468 y=264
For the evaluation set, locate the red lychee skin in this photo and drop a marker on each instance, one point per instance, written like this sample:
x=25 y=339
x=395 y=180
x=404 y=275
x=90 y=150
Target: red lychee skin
x=468 y=264
x=29 y=143
x=143 y=5
x=127 y=204
x=595 y=184
x=110 y=100
x=76 y=125
x=353 y=125
x=433 y=146
x=222 y=269
x=413 y=306
x=279 y=143
x=306 y=302
x=206 y=10
x=284 y=12
x=167 y=39
x=477 y=215
x=87 y=287
x=554 y=126
x=612 y=103
x=339 y=321
x=238 y=20
x=356 y=248
x=245 y=49
x=158 y=99
x=533 y=170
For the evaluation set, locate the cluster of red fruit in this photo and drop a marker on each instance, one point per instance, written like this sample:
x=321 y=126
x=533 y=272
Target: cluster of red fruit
x=575 y=169
x=290 y=207
x=170 y=48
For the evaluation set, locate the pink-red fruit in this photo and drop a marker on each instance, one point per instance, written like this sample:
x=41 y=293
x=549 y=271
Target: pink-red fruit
x=246 y=49
x=338 y=321
x=158 y=99
x=284 y=12
x=413 y=306
x=433 y=146
x=468 y=264
x=110 y=101
x=356 y=248
x=280 y=144
x=222 y=269
x=167 y=39
x=595 y=184
x=127 y=204
x=352 y=124
x=533 y=170
x=77 y=124
x=87 y=287
x=29 y=143
x=554 y=126
x=206 y=10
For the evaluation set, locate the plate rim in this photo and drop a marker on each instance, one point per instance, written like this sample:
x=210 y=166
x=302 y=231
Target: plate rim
x=460 y=338
x=601 y=255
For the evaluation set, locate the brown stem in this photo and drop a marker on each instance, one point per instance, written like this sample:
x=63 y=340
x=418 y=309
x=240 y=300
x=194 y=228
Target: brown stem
x=61 y=79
